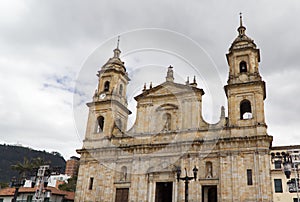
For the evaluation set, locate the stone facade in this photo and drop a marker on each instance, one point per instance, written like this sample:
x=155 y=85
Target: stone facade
x=139 y=165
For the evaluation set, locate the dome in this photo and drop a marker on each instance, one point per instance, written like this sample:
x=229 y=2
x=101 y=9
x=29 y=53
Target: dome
x=115 y=62
x=242 y=40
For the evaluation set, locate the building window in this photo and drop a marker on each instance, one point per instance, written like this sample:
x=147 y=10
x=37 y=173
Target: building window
x=1 y=199
x=245 y=110
x=277 y=164
x=295 y=200
x=100 y=122
x=121 y=89
x=278 y=185
x=106 y=86
x=249 y=177
x=243 y=67
x=91 y=183
x=29 y=198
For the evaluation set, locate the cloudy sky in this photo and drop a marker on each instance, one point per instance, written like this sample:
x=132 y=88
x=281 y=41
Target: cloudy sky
x=49 y=49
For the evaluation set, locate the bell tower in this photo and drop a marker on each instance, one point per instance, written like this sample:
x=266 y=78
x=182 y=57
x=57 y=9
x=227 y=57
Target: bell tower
x=108 y=110
x=245 y=89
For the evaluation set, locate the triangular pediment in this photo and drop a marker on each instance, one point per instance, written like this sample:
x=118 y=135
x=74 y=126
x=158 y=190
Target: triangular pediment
x=168 y=89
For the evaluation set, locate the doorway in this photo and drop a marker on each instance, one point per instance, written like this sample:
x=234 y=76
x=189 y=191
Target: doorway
x=122 y=194
x=163 y=192
x=209 y=194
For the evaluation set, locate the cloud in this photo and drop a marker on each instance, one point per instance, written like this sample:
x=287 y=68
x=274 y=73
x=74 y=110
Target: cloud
x=44 y=45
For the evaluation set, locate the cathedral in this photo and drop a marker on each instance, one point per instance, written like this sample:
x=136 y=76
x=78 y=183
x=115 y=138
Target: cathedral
x=171 y=154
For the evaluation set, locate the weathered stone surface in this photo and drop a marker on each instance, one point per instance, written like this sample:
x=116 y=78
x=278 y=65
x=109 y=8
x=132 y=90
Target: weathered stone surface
x=232 y=156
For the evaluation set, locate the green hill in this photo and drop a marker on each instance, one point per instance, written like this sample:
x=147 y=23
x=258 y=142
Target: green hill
x=11 y=155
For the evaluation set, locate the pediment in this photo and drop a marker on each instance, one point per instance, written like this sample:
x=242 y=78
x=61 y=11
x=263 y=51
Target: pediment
x=167 y=106
x=168 y=89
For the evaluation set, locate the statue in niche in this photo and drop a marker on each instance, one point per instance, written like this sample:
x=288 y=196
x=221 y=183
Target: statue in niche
x=208 y=173
x=167 y=119
x=123 y=176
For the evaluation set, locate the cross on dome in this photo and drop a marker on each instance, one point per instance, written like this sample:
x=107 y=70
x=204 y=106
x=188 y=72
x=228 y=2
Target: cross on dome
x=241 y=28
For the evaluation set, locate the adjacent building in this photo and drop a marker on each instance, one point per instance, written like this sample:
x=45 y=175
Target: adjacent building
x=141 y=164
x=42 y=187
x=27 y=194
x=285 y=189
x=72 y=166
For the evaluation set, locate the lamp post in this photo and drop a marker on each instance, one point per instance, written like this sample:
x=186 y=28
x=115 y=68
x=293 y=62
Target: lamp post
x=16 y=184
x=186 y=180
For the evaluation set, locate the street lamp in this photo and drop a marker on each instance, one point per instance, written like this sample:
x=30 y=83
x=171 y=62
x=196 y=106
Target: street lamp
x=17 y=185
x=186 y=180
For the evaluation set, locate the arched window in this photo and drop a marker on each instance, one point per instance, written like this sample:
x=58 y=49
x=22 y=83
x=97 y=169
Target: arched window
x=167 y=121
x=243 y=67
x=121 y=89
x=245 y=110
x=100 y=122
x=106 y=86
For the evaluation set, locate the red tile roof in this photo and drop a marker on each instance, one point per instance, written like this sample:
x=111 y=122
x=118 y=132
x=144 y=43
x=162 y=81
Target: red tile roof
x=11 y=192
x=69 y=195
x=7 y=192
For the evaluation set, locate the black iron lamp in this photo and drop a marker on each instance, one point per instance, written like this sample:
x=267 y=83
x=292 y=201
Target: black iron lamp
x=186 y=180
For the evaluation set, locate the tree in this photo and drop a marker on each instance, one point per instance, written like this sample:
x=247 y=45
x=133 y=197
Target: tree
x=37 y=162
x=56 y=154
x=22 y=168
x=28 y=167
x=70 y=186
x=3 y=185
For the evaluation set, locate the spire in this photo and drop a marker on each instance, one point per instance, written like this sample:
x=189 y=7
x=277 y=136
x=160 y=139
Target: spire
x=240 y=41
x=222 y=112
x=241 y=20
x=118 y=43
x=170 y=76
x=194 y=84
x=117 y=50
x=241 y=28
x=187 y=81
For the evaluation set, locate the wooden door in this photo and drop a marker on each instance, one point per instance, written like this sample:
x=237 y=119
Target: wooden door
x=163 y=192
x=122 y=194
